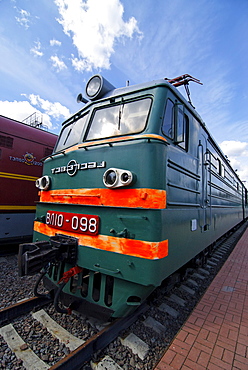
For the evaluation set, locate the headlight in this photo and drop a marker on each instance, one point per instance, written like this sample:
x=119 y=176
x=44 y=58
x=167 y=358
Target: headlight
x=110 y=178
x=93 y=86
x=115 y=178
x=43 y=183
x=97 y=86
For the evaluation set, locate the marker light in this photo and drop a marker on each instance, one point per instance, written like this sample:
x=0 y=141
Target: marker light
x=43 y=183
x=115 y=178
x=97 y=86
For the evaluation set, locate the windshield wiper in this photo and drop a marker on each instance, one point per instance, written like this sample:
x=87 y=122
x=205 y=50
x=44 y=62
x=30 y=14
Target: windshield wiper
x=120 y=115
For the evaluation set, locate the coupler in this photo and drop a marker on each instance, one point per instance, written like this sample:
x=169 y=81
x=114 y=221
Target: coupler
x=34 y=256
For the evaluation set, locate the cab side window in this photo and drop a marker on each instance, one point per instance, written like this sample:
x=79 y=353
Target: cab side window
x=176 y=124
x=182 y=128
x=168 y=122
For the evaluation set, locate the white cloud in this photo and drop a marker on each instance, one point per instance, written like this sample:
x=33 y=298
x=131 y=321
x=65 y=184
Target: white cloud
x=95 y=26
x=24 y=18
x=234 y=148
x=80 y=64
x=237 y=152
x=36 y=50
x=57 y=63
x=55 y=110
x=54 y=42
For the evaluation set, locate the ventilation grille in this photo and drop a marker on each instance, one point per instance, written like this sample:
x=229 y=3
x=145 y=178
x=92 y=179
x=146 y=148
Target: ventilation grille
x=6 y=141
x=92 y=285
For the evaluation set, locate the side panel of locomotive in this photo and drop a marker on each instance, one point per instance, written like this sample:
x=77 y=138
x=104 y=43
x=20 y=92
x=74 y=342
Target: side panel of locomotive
x=21 y=149
x=205 y=198
x=136 y=188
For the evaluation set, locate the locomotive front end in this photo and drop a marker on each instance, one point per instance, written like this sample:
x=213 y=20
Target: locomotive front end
x=97 y=234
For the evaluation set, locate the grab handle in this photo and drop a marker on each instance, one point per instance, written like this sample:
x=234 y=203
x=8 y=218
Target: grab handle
x=106 y=271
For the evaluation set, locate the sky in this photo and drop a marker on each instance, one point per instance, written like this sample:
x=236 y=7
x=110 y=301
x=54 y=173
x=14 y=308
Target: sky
x=50 y=48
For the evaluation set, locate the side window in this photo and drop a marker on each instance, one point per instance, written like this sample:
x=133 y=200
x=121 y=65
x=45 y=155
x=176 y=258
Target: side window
x=180 y=126
x=176 y=123
x=219 y=166
x=183 y=129
x=168 y=122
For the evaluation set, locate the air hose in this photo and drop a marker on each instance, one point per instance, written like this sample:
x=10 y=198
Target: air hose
x=62 y=282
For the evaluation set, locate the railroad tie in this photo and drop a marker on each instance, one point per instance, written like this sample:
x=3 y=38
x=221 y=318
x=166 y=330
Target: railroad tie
x=137 y=345
x=106 y=363
x=150 y=322
x=169 y=310
x=57 y=331
x=17 y=345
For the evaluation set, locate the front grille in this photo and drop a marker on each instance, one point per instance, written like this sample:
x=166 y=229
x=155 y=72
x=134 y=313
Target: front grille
x=91 y=285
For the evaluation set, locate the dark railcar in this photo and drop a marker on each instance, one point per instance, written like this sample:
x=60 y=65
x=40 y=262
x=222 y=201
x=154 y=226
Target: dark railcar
x=21 y=149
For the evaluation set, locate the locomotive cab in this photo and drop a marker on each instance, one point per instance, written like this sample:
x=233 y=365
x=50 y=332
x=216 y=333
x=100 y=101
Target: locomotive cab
x=125 y=198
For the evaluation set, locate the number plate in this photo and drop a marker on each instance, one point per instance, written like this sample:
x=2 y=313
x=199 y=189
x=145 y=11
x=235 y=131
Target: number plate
x=77 y=223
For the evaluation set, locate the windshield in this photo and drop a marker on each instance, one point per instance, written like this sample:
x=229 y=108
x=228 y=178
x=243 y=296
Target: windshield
x=122 y=119
x=71 y=134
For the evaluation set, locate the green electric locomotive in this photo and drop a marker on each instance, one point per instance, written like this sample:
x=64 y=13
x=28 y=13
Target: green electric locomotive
x=135 y=188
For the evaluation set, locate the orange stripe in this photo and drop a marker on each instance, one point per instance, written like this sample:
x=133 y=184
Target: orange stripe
x=115 y=139
x=131 y=247
x=133 y=198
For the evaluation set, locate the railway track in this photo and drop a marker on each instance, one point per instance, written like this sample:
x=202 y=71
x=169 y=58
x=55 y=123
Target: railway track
x=79 y=351
x=136 y=342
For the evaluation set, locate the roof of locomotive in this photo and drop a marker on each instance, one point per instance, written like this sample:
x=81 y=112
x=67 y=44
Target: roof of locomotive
x=139 y=87
x=149 y=85
x=130 y=89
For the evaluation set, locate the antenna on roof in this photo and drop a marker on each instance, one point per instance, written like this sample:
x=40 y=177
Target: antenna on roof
x=35 y=120
x=184 y=80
